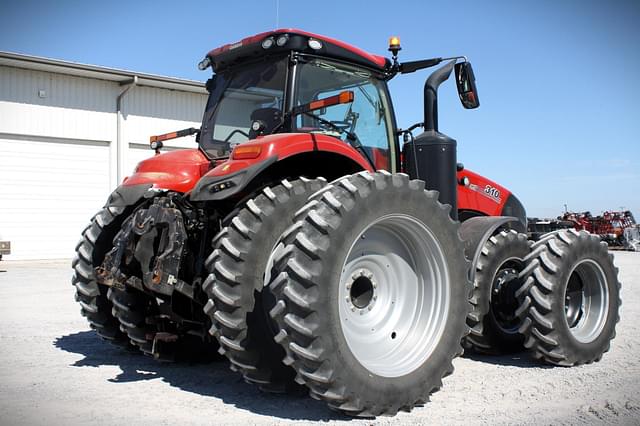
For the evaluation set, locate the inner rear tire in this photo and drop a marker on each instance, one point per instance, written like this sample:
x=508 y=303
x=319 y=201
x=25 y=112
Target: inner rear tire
x=155 y=334
x=131 y=307
x=493 y=320
x=238 y=303
x=370 y=278
x=570 y=303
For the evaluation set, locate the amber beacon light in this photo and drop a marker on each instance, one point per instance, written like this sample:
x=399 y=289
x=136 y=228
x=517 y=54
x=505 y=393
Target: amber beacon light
x=394 y=45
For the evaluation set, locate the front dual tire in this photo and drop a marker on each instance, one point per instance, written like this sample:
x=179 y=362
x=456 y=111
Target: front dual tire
x=570 y=302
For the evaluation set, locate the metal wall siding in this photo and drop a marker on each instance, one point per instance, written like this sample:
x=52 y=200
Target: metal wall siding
x=72 y=107
x=84 y=108
x=61 y=149
x=146 y=110
x=164 y=103
x=22 y=85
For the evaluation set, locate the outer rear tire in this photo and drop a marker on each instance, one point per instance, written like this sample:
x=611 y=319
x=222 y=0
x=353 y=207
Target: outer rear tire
x=371 y=222
x=570 y=303
x=493 y=321
x=95 y=243
x=238 y=305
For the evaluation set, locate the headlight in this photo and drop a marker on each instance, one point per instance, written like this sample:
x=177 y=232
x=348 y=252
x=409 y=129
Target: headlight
x=267 y=43
x=282 y=40
x=314 y=44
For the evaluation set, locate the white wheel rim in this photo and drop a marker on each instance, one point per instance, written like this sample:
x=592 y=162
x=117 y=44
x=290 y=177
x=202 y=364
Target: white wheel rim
x=394 y=295
x=594 y=306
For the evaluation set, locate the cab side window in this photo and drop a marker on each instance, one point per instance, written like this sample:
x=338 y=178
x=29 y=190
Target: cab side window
x=367 y=116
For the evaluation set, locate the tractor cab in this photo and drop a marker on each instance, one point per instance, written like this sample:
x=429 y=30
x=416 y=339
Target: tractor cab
x=289 y=81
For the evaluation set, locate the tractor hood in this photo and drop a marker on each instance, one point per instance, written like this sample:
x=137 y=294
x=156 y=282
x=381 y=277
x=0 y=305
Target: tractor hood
x=175 y=170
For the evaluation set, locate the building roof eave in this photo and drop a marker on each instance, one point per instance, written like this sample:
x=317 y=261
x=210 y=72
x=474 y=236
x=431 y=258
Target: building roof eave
x=38 y=63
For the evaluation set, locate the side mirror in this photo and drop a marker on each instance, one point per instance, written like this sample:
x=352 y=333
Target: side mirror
x=466 y=82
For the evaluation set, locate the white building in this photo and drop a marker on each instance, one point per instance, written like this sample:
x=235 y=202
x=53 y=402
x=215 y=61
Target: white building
x=69 y=133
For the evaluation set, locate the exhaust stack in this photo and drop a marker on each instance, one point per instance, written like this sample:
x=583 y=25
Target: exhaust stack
x=432 y=156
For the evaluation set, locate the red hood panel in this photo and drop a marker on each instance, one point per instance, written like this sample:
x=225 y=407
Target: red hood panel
x=175 y=170
x=482 y=194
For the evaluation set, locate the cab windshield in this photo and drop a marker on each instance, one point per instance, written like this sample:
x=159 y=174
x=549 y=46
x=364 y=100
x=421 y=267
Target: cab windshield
x=238 y=97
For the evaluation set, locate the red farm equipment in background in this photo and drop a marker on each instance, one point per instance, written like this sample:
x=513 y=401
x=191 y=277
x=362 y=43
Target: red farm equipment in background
x=609 y=226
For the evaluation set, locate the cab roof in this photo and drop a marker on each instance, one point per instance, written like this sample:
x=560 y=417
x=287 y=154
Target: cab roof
x=298 y=40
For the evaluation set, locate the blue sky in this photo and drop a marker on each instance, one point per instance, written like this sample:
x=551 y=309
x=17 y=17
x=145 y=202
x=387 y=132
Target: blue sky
x=559 y=81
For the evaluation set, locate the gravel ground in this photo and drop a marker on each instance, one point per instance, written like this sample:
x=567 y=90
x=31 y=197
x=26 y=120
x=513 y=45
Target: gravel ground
x=54 y=370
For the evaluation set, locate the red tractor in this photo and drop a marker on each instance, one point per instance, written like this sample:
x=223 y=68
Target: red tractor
x=310 y=247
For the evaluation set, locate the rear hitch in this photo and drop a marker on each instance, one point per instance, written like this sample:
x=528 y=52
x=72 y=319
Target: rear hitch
x=154 y=239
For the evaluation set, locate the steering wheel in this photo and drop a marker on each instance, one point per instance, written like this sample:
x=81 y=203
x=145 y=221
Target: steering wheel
x=234 y=132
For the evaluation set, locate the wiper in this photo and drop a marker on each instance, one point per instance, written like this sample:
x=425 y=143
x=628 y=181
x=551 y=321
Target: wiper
x=344 y=97
x=352 y=138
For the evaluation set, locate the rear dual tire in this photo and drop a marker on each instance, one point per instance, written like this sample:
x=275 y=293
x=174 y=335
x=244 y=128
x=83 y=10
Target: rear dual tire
x=372 y=275
x=95 y=243
x=239 y=302
x=153 y=333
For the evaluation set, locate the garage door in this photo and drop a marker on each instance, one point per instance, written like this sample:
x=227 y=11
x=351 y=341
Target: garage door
x=48 y=192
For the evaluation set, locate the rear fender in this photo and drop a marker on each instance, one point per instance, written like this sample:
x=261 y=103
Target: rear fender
x=233 y=176
x=125 y=196
x=477 y=230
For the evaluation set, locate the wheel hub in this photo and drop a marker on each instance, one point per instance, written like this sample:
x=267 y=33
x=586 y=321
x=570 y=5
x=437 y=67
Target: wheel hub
x=361 y=289
x=573 y=301
x=586 y=301
x=503 y=300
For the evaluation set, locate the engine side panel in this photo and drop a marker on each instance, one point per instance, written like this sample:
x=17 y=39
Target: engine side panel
x=482 y=195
